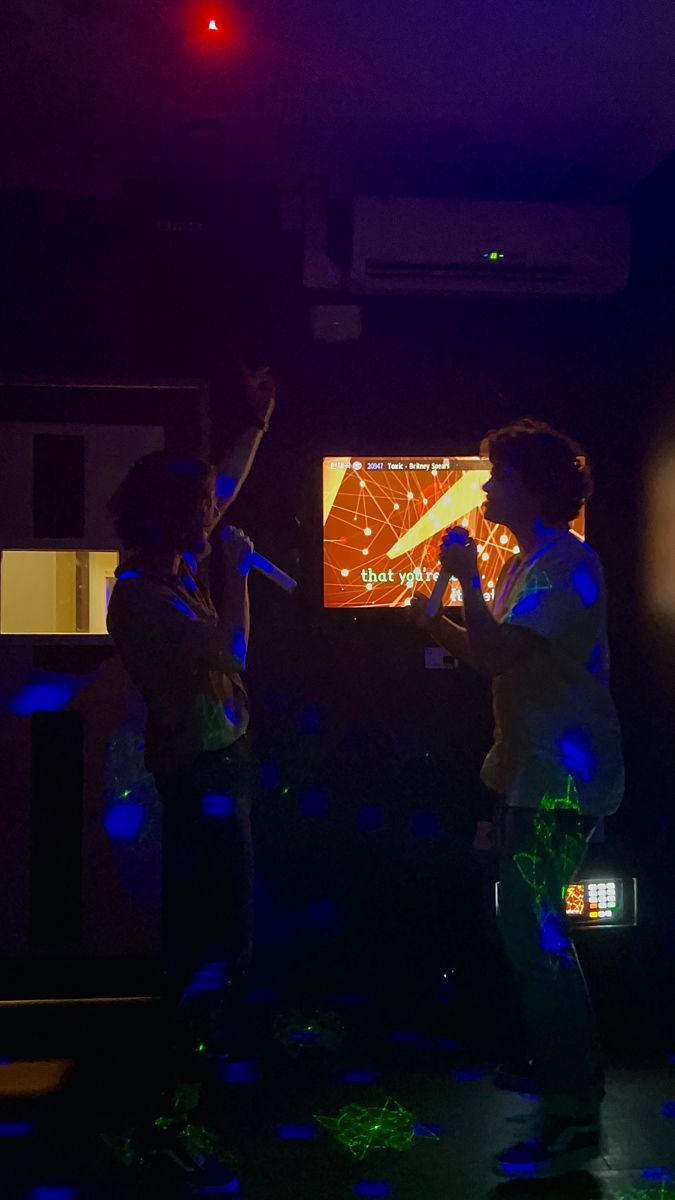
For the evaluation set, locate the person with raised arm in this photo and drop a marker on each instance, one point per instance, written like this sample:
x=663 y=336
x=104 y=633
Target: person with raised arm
x=184 y=647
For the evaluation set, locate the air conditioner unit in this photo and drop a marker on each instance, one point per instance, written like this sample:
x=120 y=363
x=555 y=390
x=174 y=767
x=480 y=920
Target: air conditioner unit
x=431 y=247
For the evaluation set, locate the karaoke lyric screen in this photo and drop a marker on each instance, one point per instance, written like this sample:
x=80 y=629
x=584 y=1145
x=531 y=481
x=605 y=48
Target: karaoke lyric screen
x=383 y=519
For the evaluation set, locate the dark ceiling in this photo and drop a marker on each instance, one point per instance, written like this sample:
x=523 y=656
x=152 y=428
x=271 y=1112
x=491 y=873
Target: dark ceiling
x=568 y=99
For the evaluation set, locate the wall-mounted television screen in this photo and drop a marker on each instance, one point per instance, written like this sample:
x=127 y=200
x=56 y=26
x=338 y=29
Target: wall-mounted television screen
x=383 y=519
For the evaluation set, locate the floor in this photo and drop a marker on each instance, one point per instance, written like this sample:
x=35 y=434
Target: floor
x=284 y=1099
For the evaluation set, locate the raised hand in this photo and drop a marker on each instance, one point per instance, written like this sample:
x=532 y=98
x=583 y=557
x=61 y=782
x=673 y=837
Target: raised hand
x=233 y=546
x=260 y=387
x=458 y=554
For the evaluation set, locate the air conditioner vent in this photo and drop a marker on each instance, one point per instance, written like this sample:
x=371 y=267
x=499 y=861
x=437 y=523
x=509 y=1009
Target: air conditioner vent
x=490 y=272
x=434 y=247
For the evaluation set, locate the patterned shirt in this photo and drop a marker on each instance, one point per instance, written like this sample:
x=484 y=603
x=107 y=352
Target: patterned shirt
x=166 y=631
x=555 y=721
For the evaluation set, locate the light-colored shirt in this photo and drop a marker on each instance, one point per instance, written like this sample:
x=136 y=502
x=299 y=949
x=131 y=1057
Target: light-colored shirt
x=556 y=728
x=166 y=631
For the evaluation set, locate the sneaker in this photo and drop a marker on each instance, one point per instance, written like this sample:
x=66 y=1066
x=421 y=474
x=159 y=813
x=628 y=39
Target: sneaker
x=516 y=1076
x=560 y=1145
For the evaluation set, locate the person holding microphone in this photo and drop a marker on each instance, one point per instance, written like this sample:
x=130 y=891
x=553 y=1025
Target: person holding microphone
x=184 y=647
x=556 y=758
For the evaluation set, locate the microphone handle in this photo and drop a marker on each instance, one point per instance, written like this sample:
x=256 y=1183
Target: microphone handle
x=257 y=562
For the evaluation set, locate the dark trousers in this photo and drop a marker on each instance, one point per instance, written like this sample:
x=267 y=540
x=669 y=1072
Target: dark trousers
x=207 y=922
x=541 y=852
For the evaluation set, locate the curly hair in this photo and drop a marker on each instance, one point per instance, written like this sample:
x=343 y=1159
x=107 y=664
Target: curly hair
x=552 y=466
x=155 y=506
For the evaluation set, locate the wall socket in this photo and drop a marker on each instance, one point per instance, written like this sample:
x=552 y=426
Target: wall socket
x=438 y=659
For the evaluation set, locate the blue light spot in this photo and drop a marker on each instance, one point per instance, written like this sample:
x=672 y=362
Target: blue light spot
x=597 y=660
x=270 y=775
x=552 y=936
x=230 y=1188
x=455 y=537
x=217 y=805
x=246 y=563
x=190 y=562
x=426 y=1130
x=668 y=1109
x=225 y=485
x=180 y=606
x=124 y=820
x=425 y=824
x=240 y=1072
x=447 y=1044
x=296 y=1133
x=15 y=1128
x=43 y=697
x=585 y=584
x=470 y=1075
x=231 y=713
x=239 y=645
x=409 y=1037
x=129 y=575
x=521 y=1168
x=577 y=755
x=226 y=1189
x=372 y=1187
x=313 y=802
x=358 y=1077
x=209 y=977
x=305 y=1037
x=526 y=604
x=370 y=818
x=52 y=1193
x=658 y=1173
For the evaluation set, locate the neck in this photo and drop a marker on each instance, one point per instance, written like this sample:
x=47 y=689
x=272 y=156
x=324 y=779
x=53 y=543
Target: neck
x=532 y=531
x=161 y=562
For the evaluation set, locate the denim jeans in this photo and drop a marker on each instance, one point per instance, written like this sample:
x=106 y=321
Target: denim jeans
x=207 y=880
x=540 y=854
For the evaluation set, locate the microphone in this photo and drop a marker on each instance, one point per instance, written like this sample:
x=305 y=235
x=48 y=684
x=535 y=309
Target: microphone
x=257 y=562
x=460 y=537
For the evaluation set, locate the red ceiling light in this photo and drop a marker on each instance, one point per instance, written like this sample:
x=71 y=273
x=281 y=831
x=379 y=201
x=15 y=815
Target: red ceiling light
x=214 y=26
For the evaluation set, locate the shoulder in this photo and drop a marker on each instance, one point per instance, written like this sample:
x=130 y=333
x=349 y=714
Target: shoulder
x=570 y=567
x=567 y=554
x=134 y=590
x=575 y=555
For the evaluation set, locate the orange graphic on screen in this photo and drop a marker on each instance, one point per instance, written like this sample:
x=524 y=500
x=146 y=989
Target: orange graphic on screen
x=574 y=900
x=383 y=521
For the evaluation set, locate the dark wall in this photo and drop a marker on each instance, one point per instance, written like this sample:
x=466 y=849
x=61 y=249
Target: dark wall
x=347 y=716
